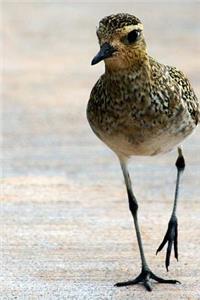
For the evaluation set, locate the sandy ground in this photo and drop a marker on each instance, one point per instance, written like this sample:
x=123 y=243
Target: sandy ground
x=66 y=232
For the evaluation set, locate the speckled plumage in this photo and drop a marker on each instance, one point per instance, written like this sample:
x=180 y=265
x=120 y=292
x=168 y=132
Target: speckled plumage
x=139 y=106
x=112 y=23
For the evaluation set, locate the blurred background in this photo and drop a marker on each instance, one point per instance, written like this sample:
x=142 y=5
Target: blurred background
x=66 y=229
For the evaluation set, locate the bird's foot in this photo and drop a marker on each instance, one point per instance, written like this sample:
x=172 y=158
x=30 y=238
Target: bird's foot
x=144 y=278
x=171 y=237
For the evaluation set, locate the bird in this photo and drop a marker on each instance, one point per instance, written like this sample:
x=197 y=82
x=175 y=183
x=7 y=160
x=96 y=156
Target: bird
x=140 y=107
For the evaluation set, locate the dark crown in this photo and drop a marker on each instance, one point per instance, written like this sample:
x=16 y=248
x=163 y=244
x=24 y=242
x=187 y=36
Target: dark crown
x=121 y=20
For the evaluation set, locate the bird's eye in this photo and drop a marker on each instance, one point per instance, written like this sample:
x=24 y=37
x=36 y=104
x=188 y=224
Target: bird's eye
x=133 y=36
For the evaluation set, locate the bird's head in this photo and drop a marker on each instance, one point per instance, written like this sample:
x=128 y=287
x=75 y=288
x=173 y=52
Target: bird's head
x=121 y=41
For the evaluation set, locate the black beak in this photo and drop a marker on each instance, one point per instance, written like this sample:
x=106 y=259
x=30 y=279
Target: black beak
x=106 y=51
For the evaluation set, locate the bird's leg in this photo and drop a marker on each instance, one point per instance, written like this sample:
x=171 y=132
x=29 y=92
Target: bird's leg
x=146 y=274
x=171 y=236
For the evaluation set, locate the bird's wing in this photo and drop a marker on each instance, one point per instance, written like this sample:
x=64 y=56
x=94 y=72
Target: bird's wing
x=187 y=93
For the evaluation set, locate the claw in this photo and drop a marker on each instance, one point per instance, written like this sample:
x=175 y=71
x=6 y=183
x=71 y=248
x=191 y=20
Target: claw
x=161 y=280
x=169 y=249
x=147 y=285
x=130 y=282
x=163 y=243
x=171 y=237
x=176 y=243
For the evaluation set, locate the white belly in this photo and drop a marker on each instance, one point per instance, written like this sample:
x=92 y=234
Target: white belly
x=126 y=146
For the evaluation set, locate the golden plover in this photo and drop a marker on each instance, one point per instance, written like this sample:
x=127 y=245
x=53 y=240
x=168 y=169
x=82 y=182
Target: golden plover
x=140 y=107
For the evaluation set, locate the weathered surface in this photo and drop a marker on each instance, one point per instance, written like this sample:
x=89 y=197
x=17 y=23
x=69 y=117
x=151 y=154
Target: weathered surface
x=65 y=227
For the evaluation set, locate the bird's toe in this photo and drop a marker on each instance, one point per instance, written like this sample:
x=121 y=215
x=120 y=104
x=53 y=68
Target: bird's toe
x=170 y=238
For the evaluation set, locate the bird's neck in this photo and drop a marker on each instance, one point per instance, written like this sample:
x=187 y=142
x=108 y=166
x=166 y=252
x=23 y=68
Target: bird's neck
x=118 y=68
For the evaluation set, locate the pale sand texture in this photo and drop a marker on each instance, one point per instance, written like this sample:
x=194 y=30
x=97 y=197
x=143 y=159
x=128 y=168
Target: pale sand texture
x=65 y=225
